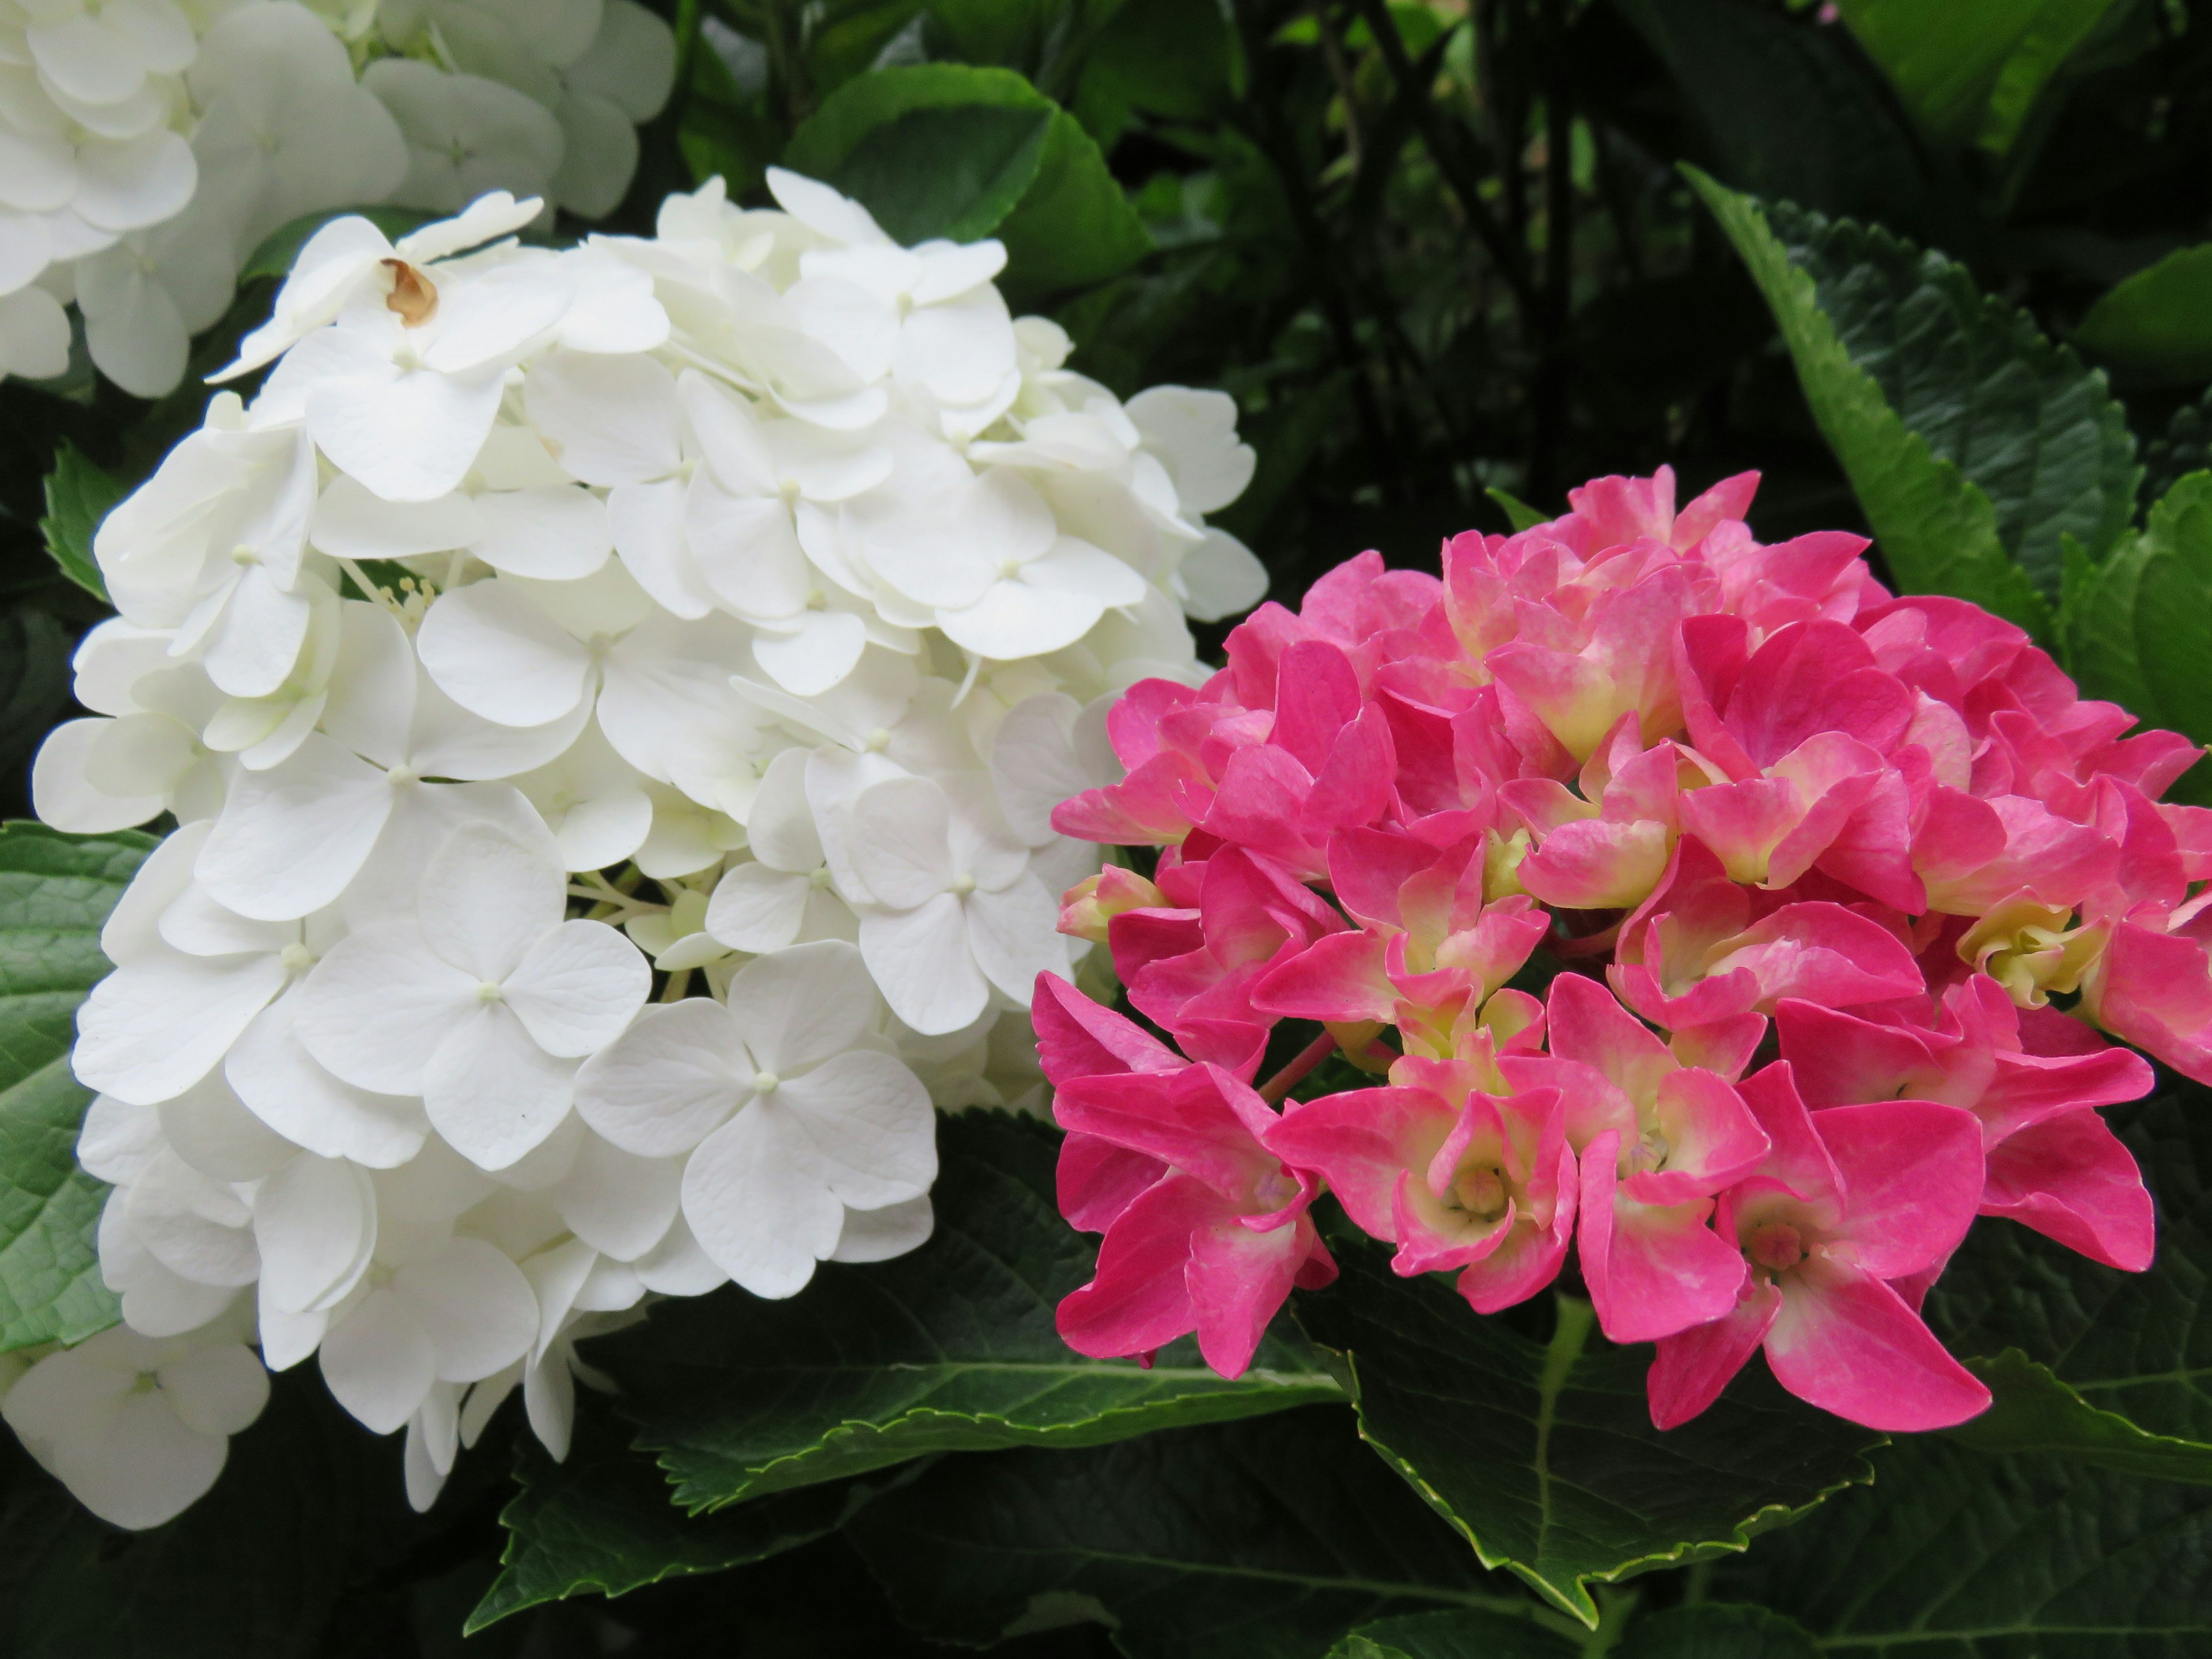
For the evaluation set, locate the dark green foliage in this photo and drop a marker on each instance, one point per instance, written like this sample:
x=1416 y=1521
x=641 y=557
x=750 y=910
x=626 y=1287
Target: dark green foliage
x=55 y=892
x=950 y=1348
x=1544 y=1455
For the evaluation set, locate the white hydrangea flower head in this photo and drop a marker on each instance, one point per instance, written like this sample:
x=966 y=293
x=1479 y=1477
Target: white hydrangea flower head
x=613 y=700
x=147 y=148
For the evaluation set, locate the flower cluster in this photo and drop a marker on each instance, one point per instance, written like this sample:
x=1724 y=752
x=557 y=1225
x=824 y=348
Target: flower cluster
x=1810 y=863
x=613 y=701
x=147 y=147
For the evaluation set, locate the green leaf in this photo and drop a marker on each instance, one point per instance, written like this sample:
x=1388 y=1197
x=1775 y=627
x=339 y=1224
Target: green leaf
x=603 y=1521
x=950 y=1348
x=1245 y=1540
x=954 y=172
x=308 y=1506
x=1714 y=1630
x=1462 y=1634
x=2138 y=1346
x=78 y=496
x=55 y=892
x=1972 y=442
x=2035 y=1411
x=1518 y=513
x=2184 y=447
x=2157 y=325
x=2138 y=627
x=1787 y=112
x=34 y=681
x=1545 y=1456
x=1165 y=57
x=282 y=246
x=1954 y=1555
x=1970 y=70
x=1071 y=225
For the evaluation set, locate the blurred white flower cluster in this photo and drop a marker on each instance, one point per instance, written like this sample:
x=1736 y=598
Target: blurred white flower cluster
x=613 y=701
x=147 y=147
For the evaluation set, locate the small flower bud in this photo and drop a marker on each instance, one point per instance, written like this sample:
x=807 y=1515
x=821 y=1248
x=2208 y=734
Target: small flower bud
x=1087 y=907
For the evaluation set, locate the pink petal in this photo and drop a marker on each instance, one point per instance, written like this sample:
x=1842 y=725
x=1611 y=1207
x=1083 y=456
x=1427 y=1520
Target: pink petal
x=2158 y=995
x=1530 y=1258
x=1912 y=1176
x=1361 y=1143
x=1712 y=1139
x=1339 y=978
x=1844 y=1342
x=2071 y=1179
x=1137 y=1299
x=1650 y=1271
x=1078 y=1037
x=1096 y=1181
x=1692 y=1367
x=1237 y=1279
x=1317 y=696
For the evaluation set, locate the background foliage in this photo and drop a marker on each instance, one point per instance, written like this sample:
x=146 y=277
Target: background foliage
x=1940 y=272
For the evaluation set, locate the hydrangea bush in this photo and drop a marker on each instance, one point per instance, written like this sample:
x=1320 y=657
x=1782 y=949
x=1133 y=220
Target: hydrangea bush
x=712 y=620
x=1805 y=864
x=700 y=975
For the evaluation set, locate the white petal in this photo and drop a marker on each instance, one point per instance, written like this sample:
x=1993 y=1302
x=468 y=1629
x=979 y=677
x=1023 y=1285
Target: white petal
x=577 y=986
x=475 y=1306
x=604 y=831
x=219 y=1388
x=493 y=1093
x=826 y=647
x=211 y=1129
x=152 y=1029
x=315 y=1221
x=549 y=1400
x=755 y=1206
x=921 y=960
x=755 y=908
x=379 y=1006
x=556 y=1276
x=947 y=550
x=556 y=532
x=1015 y=936
x=63 y=797
x=290 y=838
x=254 y=648
x=489 y=898
x=117 y=1138
x=610 y=420
x=658 y=1088
x=379 y=1362
x=823 y=210
x=873 y=1129
x=283 y=1086
x=195 y=1227
x=1220 y=577
x=1013 y=620
x=130 y=183
x=616 y=1201
x=498 y=655
x=647 y=523
x=148 y=1467
x=408 y=434
x=351 y=522
x=677 y=1266
x=879 y=1235
x=289 y=1337
x=780 y=827
x=1034 y=765
x=900 y=842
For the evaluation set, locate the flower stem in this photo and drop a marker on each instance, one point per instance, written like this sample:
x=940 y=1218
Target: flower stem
x=1302 y=1062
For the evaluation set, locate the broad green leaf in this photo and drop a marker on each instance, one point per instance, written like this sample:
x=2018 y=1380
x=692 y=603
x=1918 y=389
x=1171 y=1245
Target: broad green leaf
x=953 y=172
x=1071 y=225
x=1518 y=514
x=282 y=246
x=1461 y=1633
x=1715 y=1631
x=1970 y=70
x=2033 y=1412
x=55 y=892
x=950 y=1348
x=1244 y=1540
x=2157 y=325
x=602 y=1521
x=34 y=681
x=1787 y=112
x=2138 y=1346
x=1166 y=58
x=78 y=496
x=1953 y=1555
x=2138 y=627
x=1972 y=442
x=307 y=1507
x=1545 y=1456
x=2184 y=447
